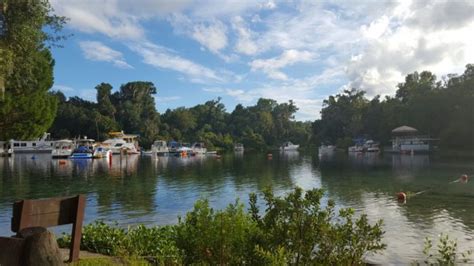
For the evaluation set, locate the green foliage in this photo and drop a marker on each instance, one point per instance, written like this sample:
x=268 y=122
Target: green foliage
x=441 y=110
x=215 y=237
x=446 y=254
x=27 y=109
x=292 y=230
x=296 y=229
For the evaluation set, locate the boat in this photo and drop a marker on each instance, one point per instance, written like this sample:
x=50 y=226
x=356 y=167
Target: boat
x=84 y=149
x=121 y=142
x=82 y=152
x=326 y=150
x=101 y=151
x=63 y=148
x=238 y=147
x=288 y=146
x=146 y=153
x=173 y=147
x=41 y=145
x=371 y=146
x=159 y=147
x=199 y=148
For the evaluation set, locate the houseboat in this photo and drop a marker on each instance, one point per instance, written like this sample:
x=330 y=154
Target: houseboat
x=121 y=142
x=159 y=147
x=288 y=146
x=408 y=140
x=41 y=145
x=63 y=148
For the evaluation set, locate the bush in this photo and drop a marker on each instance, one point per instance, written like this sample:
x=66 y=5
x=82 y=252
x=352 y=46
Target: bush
x=293 y=230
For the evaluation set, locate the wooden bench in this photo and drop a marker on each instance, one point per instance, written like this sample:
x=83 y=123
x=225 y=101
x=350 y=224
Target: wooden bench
x=52 y=212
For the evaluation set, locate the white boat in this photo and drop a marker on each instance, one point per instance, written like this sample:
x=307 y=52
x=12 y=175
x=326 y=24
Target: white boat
x=239 y=147
x=101 y=151
x=121 y=142
x=199 y=148
x=159 y=147
x=146 y=153
x=288 y=146
x=63 y=148
x=41 y=145
x=326 y=150
x=371 y=146
x=84 y=149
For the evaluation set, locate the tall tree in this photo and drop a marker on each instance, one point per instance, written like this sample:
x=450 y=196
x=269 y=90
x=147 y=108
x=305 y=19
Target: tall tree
x=27 y=109
x=137 y=112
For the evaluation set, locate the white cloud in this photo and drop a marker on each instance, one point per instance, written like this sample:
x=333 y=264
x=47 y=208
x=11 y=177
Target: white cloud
x=167 y=99
x=212 y=36
x=105 y=17
x=245 y=37
x=97 y=51
x=410 y=38
x=163 y=58
x=63 y=88
x=272 y=66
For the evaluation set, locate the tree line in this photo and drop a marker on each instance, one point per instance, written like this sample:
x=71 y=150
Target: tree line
x=132 y=109
x=439 y=108
x=442 y=109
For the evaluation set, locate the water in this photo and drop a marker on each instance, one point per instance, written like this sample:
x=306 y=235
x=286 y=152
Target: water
x=145 y=190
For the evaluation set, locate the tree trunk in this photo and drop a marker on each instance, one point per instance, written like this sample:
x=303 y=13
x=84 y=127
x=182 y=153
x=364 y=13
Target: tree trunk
x=40 y=247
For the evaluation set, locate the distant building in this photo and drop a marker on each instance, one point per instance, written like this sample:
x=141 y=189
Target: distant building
x=407 y=139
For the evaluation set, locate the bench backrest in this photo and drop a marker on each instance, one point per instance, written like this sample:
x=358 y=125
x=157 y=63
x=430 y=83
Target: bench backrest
x=51 y=212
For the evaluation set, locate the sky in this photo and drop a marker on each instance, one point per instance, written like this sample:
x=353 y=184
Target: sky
x=242 y=50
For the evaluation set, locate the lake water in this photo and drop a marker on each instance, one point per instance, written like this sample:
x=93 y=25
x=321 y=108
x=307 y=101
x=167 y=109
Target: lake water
x=146 y=190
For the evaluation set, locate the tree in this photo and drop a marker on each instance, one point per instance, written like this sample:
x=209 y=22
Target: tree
x=137 y=112
x=27 y=109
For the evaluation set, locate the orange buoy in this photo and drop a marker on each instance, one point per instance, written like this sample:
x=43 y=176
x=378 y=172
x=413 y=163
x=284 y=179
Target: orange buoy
x=62 y=162
x=402 y=197
x=464 y=178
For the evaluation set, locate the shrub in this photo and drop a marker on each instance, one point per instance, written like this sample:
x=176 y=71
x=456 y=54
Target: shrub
x=294 y=230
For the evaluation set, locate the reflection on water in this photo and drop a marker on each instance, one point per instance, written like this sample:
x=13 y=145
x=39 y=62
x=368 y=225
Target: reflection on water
x=155 y=190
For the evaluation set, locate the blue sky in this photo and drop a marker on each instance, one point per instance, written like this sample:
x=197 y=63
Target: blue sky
x=240 y=51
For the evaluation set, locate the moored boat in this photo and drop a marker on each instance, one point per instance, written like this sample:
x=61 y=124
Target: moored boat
x=62 y=148
x=326 y=150
x=159 y=147
x=122 y=143
x=41 y=145
x=288 y=146
x=84 y=149
x=101 y=151
x=199 y=148
x=238 y=147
